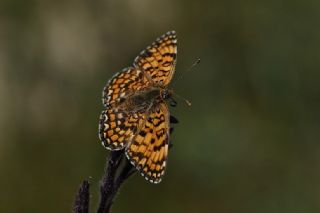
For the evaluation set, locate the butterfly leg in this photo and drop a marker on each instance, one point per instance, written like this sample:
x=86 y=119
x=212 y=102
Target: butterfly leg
x=173 y=120
x=173 y=102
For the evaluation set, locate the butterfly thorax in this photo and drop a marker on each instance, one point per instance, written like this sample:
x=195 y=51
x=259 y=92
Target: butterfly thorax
x=144 y=100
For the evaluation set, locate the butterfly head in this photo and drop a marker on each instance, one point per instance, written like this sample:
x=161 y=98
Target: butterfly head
x=166 y=94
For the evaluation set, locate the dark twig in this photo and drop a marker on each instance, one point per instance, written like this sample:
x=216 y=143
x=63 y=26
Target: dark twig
x=81 y=204
x=126 y=172
x=107 y=189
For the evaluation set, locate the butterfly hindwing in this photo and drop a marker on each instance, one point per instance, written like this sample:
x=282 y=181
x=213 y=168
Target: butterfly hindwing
x=117 y=127
x=148 y=150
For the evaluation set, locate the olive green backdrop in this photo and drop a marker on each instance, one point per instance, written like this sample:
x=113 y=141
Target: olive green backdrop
x=249 y=143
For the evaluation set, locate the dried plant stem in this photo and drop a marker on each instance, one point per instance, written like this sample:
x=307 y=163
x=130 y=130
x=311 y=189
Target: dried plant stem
x=81 y=204
x=111 y=183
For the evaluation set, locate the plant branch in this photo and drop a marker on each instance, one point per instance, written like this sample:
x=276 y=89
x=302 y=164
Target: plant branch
x=110 y=183
x=81 y=204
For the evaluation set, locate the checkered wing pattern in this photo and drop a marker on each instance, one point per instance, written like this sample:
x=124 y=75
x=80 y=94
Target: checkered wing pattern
x=149 y=148
x=159 y=59
x=117 y=127
x=124 y=83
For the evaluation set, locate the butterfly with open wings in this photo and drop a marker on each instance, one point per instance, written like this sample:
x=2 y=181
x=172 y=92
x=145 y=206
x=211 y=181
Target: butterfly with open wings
x=136 y=117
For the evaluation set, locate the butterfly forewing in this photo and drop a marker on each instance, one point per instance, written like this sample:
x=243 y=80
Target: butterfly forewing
x=124 y=83
x=159 y=59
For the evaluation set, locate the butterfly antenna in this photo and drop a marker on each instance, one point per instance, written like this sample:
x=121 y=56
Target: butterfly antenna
x=182 y=98
x=188 y=70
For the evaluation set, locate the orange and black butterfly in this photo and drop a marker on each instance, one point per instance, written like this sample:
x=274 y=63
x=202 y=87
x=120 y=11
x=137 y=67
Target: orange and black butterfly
x=136 y=117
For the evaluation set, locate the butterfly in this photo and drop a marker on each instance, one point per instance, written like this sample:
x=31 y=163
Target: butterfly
x=136 y=117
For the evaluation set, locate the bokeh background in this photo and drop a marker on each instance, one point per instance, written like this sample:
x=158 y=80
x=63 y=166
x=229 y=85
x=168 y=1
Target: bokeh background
x=249 y=143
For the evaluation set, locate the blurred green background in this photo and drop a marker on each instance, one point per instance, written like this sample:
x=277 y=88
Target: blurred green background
x=249 y=143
